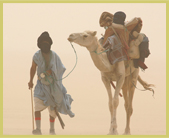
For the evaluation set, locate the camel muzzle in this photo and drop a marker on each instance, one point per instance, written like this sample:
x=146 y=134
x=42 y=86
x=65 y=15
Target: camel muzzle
x=71 y=38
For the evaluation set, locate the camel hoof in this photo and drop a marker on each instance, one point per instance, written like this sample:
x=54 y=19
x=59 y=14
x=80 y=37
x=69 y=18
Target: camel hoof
x=113 y=132
x=126 y=133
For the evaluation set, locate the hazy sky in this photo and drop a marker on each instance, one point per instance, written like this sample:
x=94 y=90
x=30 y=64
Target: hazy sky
x=23 y=24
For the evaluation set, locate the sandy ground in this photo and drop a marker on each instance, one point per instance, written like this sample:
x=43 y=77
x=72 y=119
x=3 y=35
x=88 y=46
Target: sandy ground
x=90 y=105
x=92 y=115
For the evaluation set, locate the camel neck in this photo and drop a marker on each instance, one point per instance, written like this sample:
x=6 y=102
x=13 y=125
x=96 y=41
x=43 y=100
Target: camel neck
x=100 y=61
x=93 y=46
x=93 y=49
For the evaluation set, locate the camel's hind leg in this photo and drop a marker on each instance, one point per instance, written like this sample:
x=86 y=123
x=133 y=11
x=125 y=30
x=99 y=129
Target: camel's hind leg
x=125 y=93
x=128 y=92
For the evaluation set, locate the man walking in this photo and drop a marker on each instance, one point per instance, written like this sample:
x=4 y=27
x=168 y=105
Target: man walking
x=49 y=91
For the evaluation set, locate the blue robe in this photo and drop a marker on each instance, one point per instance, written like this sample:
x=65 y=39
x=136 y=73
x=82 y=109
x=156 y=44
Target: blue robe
x=54 y=95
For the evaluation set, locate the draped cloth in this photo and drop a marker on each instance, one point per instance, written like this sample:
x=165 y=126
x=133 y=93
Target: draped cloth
x=116 y=51
x=54 y=95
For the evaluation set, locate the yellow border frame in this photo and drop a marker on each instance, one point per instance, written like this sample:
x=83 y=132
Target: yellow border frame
x=82 y=1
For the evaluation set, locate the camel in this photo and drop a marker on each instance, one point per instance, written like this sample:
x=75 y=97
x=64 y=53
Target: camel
x=124 y=81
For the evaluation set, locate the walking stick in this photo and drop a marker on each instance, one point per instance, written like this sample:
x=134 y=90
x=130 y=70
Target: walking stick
x=60 y=119
x=32 y=109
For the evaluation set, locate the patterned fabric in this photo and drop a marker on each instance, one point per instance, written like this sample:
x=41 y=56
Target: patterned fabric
x=116 y=53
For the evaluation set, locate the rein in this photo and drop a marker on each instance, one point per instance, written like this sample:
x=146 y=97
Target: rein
x=74 y=65
x=100 y=52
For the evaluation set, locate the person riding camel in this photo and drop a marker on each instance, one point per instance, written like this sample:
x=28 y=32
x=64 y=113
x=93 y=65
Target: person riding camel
x=119 y=34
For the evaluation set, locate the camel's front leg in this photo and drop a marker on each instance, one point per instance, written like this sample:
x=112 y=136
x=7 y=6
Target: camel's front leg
x=106 y=82
x=125 y=93
x=114 y=101
x=120 y=75
x=129 y=107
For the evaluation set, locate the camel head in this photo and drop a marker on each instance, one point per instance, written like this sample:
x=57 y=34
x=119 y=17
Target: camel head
x=85 y=39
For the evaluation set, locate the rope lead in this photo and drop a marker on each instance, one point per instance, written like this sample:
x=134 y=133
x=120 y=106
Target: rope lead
x=69 y=72
x=74 y=65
